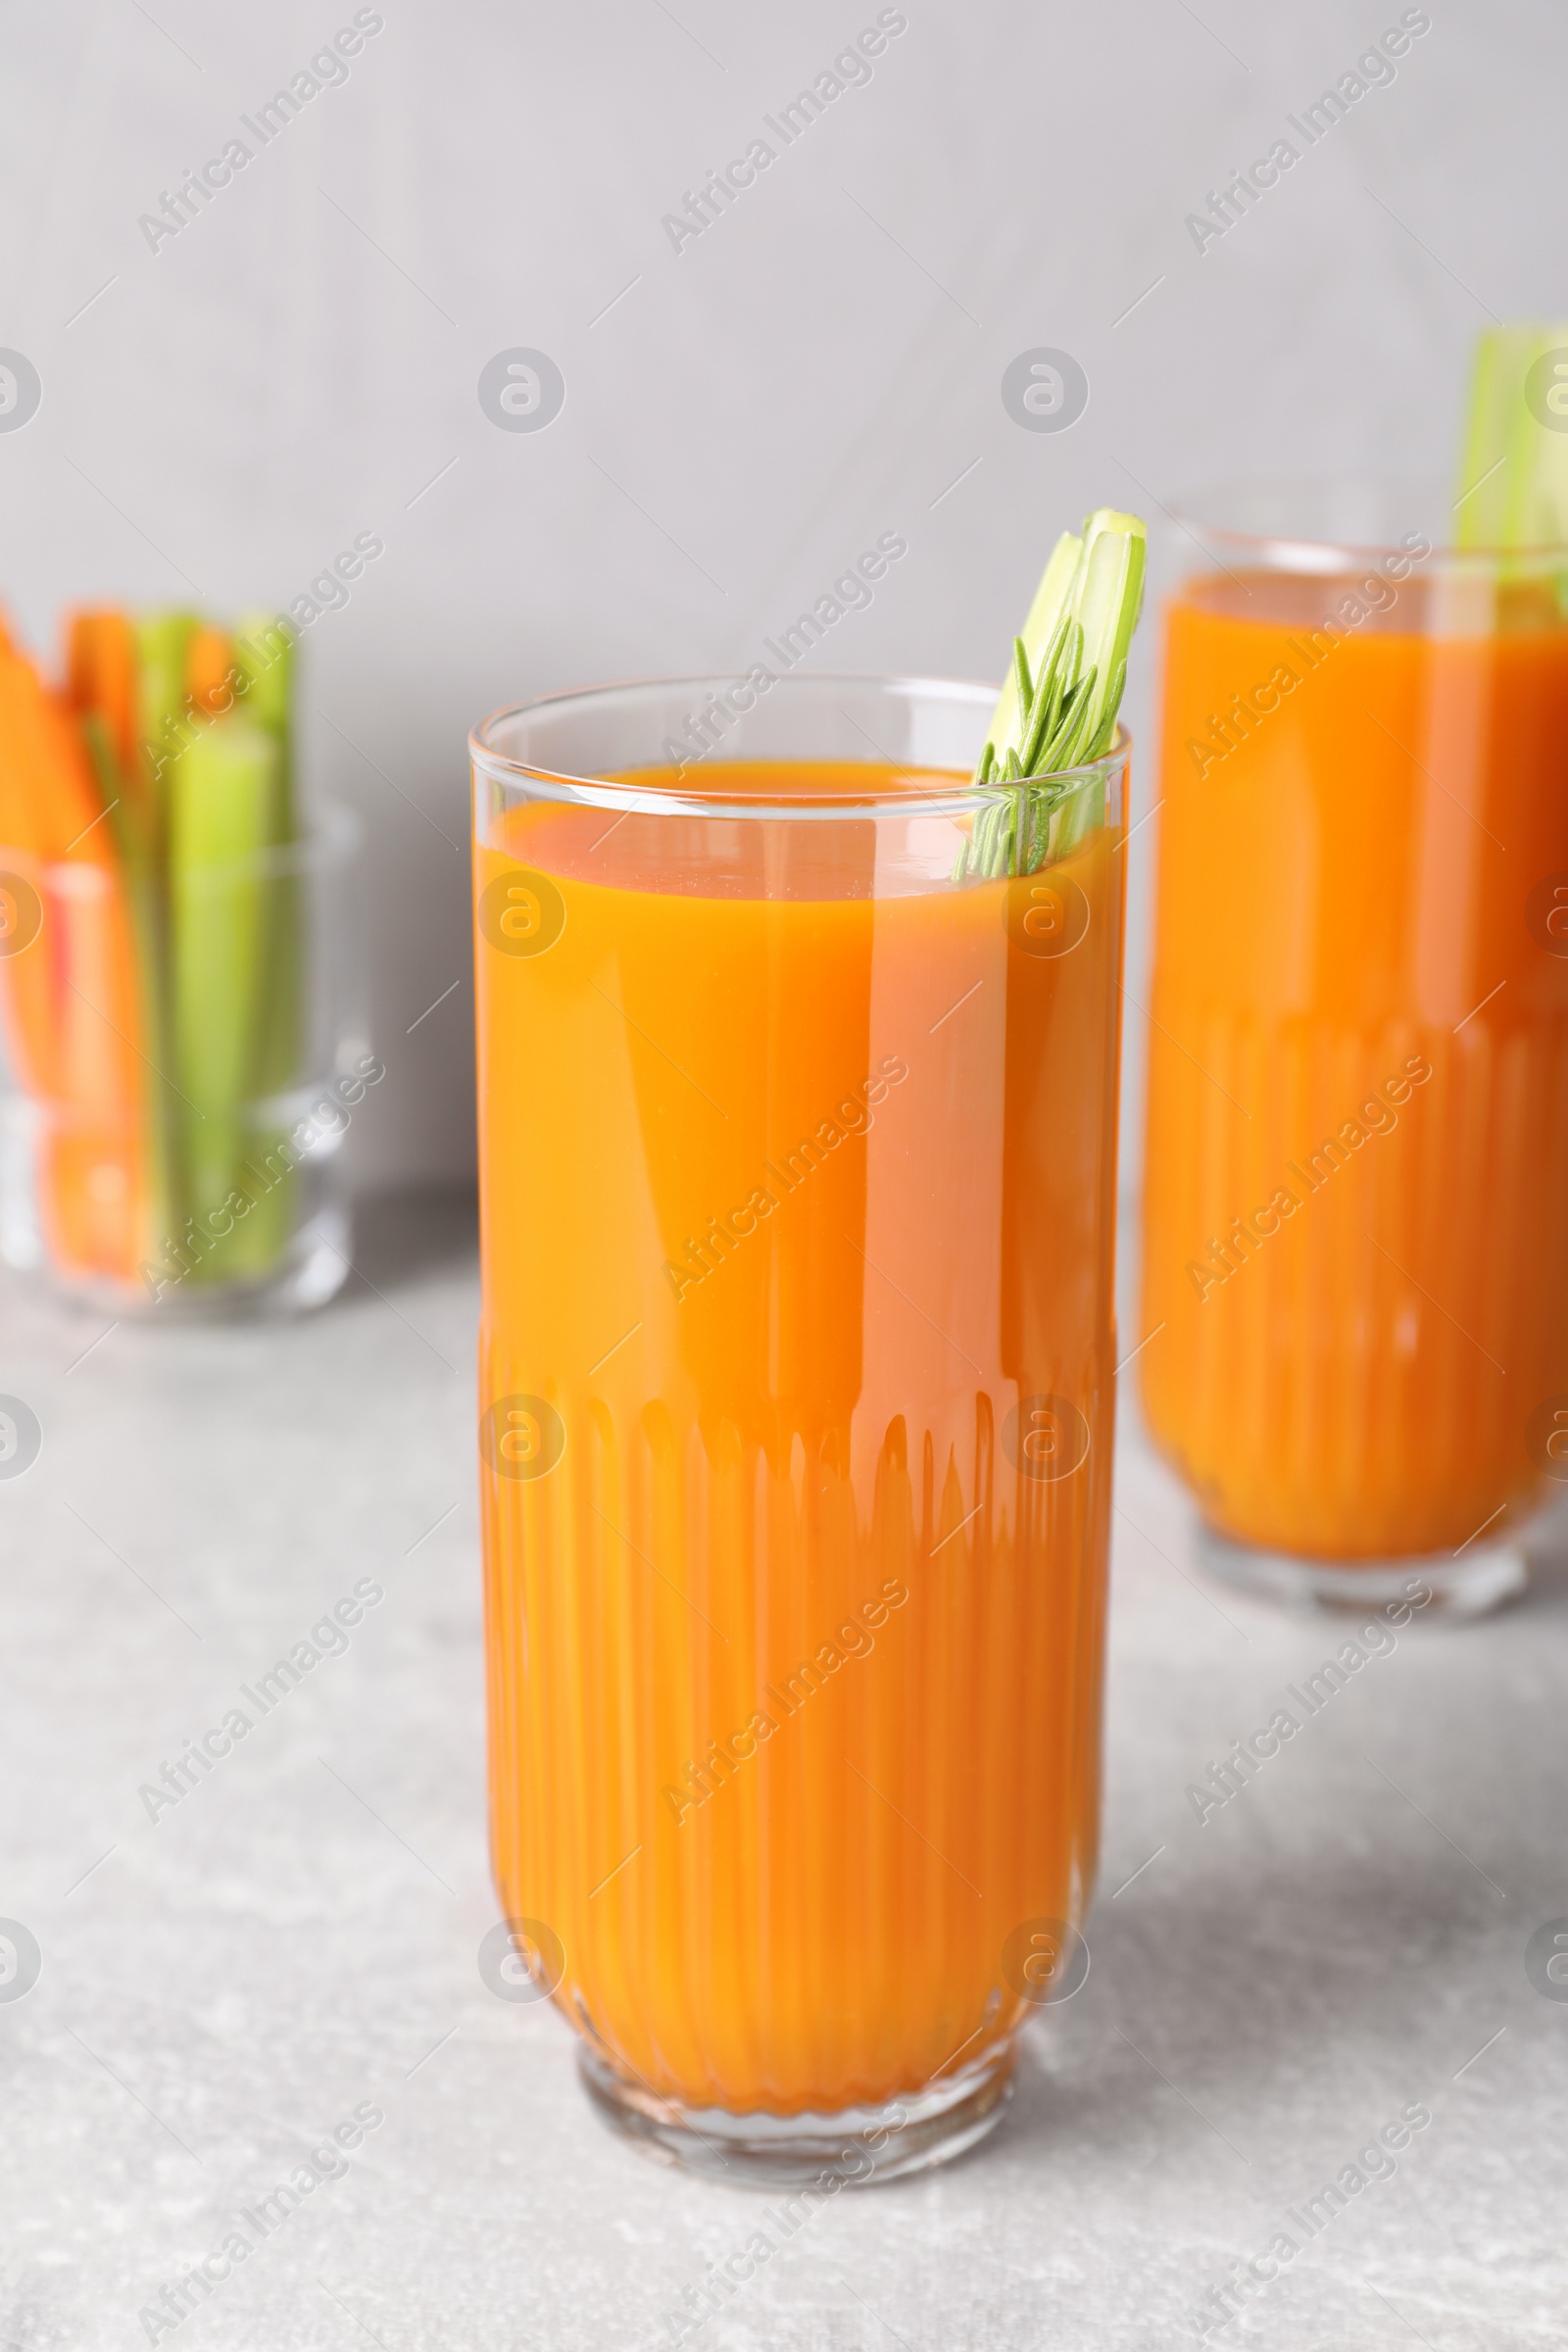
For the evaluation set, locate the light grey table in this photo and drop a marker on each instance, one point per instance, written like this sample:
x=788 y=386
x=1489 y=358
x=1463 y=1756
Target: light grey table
x=296 y=1938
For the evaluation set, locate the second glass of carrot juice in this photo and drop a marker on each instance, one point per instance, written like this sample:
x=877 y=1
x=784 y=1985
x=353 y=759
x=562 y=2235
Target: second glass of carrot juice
x=1355 y=1258
x=798 y=1162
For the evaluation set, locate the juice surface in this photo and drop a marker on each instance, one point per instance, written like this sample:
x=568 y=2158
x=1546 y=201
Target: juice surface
x=1354 y=1251
x=788 y=1201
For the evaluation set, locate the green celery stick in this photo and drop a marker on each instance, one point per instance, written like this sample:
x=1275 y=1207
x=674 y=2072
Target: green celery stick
x=225 y=800
x=1050 y=602
x=1513 y=466
x=264 y=654
x=168 y=723
x=145 y=902
x=1109 y=599
x=1058 y=709
x=267 y=659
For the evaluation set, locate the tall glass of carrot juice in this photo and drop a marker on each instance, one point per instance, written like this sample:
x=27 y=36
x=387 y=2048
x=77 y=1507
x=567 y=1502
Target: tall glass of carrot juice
x=1356 y=1253
x=797 y=1167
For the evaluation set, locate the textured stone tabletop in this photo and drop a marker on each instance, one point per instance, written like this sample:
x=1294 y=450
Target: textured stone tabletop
x=289 y=1951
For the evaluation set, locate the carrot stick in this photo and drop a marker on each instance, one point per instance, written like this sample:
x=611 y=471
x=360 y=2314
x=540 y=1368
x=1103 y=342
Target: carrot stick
x=101 y=678
x=209 y=662
x=27 y=840
x=72 y=999
x=50 y=794
x=101 y=1155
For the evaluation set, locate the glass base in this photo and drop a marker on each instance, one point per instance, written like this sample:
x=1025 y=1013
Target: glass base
x=1468 y=1584
x=855 y=2146
x=311 y=1270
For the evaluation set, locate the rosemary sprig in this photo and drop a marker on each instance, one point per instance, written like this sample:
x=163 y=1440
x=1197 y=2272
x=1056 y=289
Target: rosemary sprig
x=1058 y=709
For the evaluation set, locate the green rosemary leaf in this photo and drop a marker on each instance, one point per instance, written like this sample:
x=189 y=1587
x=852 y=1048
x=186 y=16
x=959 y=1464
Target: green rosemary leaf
x=1061 y=668
x=1100 y=744
x=1073 y=749
x=1020 y=663
x=1056 y=753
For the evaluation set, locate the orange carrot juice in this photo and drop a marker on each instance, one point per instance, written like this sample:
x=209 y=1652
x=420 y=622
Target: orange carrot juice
x=1356 y=1255
x=796 y=1367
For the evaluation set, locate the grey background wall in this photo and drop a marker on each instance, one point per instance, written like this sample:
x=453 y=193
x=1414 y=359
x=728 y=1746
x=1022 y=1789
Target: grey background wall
x=224 y=409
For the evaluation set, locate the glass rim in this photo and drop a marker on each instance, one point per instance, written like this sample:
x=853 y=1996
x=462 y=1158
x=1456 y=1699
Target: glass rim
x=1290 y=549
x=330 y=832
x=960 y=798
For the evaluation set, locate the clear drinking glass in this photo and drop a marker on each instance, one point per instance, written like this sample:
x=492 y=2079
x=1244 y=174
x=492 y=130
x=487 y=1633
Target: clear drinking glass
x=1356 y=1262
x=179 y=1080
x=797 y=1182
